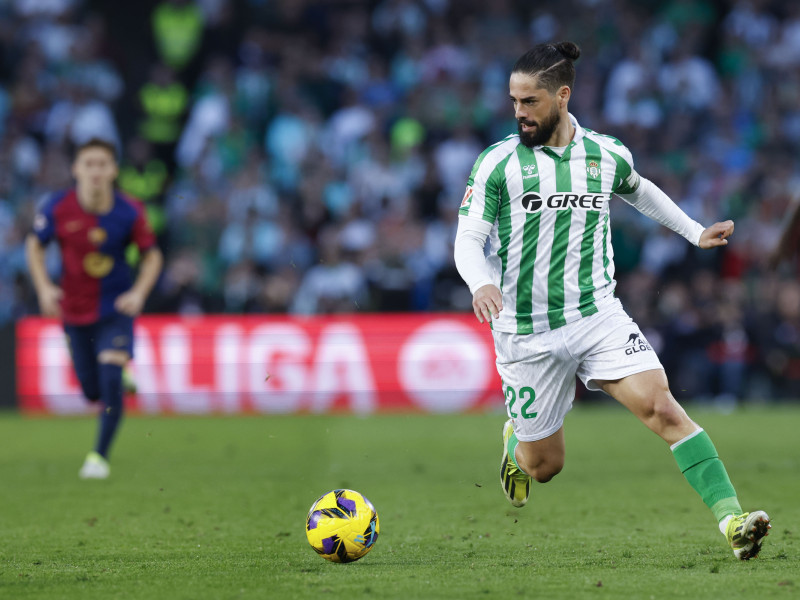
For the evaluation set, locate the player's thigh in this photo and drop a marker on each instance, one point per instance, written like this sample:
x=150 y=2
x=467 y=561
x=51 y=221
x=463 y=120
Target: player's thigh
x=115 y=339
x=611 y=347
x=646 y=394
x=617 y=359
x=538 y=378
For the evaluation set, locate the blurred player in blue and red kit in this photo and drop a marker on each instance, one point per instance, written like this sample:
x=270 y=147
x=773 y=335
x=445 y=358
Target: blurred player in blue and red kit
x=98 y=298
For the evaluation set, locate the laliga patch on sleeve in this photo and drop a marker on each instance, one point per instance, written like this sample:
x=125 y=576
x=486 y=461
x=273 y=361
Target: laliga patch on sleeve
x=467 y=200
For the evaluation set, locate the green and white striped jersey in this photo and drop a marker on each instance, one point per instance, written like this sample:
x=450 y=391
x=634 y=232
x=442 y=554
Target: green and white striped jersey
x=550 y=245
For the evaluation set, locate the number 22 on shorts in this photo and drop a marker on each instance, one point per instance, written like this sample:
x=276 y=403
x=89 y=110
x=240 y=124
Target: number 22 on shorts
x=526 y=396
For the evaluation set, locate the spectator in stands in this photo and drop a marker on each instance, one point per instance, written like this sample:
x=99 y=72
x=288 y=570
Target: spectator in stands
x=273 y=124
x=177 y=31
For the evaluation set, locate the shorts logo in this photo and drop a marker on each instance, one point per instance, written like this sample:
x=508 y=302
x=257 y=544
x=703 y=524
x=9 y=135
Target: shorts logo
x=637 y=344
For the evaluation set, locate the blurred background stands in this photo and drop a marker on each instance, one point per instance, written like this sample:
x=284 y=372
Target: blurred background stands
x=310 y=156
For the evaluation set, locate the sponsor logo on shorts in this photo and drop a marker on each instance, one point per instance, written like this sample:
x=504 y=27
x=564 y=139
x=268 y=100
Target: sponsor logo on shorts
x=636 y=343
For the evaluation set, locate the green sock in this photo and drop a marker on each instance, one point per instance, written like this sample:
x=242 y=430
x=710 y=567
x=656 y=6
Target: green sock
x=699 y=462
x=511 y=447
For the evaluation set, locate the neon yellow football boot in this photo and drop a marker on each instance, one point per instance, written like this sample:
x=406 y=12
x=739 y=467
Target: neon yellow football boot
x=128 y=382
x=94 y=467
x=515 y=482
x=746 y=533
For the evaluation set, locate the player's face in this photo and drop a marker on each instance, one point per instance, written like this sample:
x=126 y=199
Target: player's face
x=94 y=169
x=535 y=109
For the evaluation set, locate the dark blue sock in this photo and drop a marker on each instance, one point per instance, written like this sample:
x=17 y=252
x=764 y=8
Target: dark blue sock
x=111 y=395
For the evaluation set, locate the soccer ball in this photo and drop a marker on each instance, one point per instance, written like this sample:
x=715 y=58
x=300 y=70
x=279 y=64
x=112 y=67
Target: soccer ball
x=342 y=526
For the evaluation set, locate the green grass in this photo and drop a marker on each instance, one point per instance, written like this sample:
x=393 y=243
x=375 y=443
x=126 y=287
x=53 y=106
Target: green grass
x=215 y=508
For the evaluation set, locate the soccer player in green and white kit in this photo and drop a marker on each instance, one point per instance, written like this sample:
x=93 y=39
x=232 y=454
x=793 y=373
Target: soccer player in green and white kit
x=547 y=285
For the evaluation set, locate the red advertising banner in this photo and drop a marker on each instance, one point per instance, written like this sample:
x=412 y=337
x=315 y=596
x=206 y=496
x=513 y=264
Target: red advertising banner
x=268 y=364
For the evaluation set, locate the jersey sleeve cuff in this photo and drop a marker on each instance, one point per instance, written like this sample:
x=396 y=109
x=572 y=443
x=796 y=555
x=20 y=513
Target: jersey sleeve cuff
x=477 y=224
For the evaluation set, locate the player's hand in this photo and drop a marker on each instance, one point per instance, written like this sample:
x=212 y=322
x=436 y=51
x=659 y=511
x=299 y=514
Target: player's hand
x=716 y=235
x=50 y=300
x=130 y=303
x=487 y=302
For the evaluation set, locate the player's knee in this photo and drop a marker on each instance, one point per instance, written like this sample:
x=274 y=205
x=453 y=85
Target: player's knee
x=91 y=390
x=541 y=469
x=667 y=413
x=546 y=472
x=113 y=357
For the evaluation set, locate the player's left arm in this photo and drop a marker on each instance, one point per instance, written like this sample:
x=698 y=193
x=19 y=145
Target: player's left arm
x=132 y=302
x=651 y=201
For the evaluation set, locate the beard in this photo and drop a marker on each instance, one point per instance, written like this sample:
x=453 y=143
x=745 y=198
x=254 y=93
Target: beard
x=543 y=132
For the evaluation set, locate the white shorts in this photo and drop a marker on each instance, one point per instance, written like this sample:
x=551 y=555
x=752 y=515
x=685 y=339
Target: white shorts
x=538 y=370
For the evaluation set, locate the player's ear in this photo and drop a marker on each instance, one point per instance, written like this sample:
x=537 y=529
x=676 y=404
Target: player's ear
x=563 y=95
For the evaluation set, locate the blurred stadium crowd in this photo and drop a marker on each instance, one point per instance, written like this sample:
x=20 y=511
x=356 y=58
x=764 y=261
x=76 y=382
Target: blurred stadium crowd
x=309 y=156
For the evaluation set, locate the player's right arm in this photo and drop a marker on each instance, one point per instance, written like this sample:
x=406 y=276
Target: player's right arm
x=477 y=215
x=48 y=293
x=487 y=300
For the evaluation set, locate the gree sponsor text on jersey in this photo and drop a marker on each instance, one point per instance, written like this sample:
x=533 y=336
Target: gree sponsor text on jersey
x=533 y=202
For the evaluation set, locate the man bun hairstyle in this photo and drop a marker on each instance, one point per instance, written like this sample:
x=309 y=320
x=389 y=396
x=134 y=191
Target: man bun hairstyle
x=551 y=64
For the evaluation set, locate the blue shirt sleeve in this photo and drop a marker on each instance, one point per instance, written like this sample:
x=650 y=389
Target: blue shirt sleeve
x=44 y=225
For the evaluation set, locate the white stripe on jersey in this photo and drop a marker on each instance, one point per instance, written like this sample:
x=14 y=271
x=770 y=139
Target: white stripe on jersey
x=541 y=271
x=515 y=190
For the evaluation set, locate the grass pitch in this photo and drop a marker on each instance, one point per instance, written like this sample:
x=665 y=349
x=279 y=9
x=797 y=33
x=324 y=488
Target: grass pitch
x=215 y=508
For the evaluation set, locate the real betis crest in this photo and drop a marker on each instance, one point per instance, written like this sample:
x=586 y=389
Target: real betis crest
x=593 y=169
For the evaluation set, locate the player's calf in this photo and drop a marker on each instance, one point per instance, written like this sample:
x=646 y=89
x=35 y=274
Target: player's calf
x=90 y=389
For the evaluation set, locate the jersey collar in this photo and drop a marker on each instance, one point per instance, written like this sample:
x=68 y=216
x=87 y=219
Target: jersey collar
x=579 y=134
